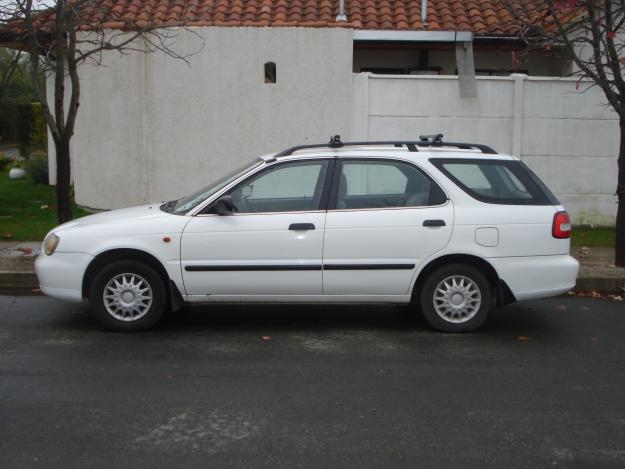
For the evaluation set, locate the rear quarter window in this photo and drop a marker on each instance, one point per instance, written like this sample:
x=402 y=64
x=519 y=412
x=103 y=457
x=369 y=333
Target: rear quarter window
x=496 y=181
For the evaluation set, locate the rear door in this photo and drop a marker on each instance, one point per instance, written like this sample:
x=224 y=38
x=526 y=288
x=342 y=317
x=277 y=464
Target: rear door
x=385 y=217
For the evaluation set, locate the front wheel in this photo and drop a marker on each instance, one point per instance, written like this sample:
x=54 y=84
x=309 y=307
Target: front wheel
x=456 y=298
x=128 y=296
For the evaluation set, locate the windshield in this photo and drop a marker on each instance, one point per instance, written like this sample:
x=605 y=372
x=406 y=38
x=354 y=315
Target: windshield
x=182 y=206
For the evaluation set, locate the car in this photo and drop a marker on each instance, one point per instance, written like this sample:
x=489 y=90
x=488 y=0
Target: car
x=454 y=229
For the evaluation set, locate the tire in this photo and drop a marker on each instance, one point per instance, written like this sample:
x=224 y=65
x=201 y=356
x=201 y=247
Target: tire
x=144 y=292
x=456 y=298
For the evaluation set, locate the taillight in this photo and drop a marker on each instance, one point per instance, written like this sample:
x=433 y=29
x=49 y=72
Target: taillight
x=561 y=228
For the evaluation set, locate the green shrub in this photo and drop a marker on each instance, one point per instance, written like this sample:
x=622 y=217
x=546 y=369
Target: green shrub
x=24 y=117
x=31 y=130
x=38 y=154
x=5 y=162
x=38 y=136
x=37 y=167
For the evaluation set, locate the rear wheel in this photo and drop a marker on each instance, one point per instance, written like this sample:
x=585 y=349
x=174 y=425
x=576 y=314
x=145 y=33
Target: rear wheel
x=456 y=298
x=128 y=296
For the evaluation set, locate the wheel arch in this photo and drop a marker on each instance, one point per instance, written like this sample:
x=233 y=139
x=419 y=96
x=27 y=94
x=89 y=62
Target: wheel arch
x=106 y=257
x=500 y=289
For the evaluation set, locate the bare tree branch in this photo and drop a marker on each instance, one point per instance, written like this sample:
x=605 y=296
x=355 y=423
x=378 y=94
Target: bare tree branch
x=578 y=27
x=6 y=74
x=592 y=32
x=62 y=37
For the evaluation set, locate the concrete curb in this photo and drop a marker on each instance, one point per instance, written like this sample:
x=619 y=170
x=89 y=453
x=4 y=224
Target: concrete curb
x=600 y=285
x=18 y=282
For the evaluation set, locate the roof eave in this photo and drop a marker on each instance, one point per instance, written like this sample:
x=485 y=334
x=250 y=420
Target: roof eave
x=411 y=36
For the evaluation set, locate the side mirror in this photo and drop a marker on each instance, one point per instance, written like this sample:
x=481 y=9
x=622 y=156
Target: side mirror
x=224 y=205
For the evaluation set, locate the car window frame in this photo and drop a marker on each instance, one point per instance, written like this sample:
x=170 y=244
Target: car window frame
x=333 y=195
x=323 y=201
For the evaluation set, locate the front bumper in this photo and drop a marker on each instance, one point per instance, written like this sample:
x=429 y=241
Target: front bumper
x=537 y=276
x=60 y=275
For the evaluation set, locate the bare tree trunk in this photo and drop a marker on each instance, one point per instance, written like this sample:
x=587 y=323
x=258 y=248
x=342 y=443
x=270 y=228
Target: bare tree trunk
x=63 y=178
x=619 y=258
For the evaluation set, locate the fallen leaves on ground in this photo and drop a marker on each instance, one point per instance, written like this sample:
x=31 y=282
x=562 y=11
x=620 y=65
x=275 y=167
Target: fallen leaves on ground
x=25 y=250
x=561 y=307
x=591 y=294
x=523 y=338
x=36 y=290
x=7 y=235
x=596 y=294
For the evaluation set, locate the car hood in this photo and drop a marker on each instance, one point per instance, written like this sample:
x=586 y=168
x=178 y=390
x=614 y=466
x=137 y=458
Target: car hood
x=116 y=216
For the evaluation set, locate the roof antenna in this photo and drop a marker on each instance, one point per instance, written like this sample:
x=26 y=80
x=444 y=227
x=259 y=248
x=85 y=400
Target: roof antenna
x=335 y=142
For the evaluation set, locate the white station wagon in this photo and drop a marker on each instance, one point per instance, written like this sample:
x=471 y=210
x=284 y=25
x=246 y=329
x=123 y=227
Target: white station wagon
x=453 y=228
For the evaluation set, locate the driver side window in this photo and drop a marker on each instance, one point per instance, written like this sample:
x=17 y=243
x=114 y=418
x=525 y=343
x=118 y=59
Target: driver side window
x=288 y=187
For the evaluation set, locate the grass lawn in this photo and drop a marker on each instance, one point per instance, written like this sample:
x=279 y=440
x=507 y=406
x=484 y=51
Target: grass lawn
x=21 y=212
x=593 y=237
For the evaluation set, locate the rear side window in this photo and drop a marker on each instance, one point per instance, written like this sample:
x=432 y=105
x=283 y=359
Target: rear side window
x=367 y=184
x=496 y=181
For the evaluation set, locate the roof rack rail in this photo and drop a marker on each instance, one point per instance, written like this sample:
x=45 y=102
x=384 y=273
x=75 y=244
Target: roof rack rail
x=437 y=141
x=411 y=145
x=335 y=142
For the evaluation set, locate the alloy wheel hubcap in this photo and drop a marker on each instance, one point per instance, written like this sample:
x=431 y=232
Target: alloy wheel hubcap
x=127 y=297
x=457 y=299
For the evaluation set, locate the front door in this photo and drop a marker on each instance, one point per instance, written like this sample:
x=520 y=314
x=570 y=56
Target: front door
x=385 y=218
x=270 y=245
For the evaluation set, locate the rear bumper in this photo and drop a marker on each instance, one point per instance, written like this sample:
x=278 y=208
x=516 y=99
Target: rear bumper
x=537 y=276
x=60 y=275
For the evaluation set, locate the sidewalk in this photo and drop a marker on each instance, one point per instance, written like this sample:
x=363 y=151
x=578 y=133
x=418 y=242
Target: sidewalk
x=597 y=272
x=17 y=266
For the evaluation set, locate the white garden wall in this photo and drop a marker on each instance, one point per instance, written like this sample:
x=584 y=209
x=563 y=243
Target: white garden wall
x=153 y=128
x=565 y=134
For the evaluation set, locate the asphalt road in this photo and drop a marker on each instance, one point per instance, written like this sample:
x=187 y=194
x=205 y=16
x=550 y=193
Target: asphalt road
x=543 y=384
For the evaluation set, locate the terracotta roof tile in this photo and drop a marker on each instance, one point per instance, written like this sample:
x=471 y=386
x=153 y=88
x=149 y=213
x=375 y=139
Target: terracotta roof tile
x=483 y=17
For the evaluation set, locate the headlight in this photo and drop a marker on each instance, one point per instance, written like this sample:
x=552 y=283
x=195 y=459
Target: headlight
x=50 y=244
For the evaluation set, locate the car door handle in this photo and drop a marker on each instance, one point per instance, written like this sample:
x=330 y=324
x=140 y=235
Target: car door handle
x=434 y=223
x=301 y=226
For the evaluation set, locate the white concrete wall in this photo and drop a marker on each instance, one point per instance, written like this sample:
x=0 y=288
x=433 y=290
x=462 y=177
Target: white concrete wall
x=566 y=135
x=153 y=128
